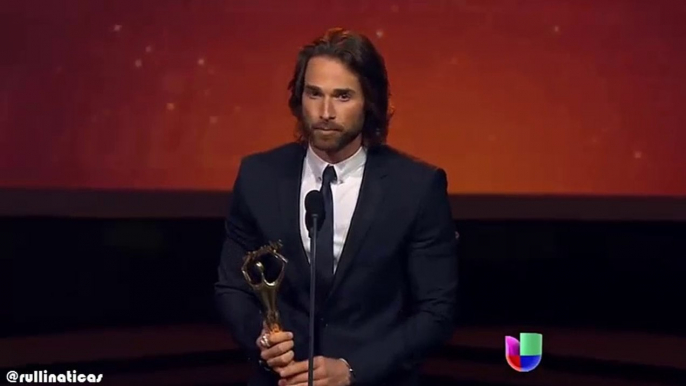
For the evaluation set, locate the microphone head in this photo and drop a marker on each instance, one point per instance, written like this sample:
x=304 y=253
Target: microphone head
x=314 y=205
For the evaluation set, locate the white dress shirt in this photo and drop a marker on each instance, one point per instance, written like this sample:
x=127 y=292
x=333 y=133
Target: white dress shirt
x=345 y=191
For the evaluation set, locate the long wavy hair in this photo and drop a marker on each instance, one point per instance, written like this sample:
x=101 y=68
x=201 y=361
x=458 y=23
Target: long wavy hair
x=358 y=53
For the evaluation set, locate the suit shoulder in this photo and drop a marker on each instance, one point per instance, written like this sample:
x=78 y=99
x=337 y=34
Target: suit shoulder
x=273 y=157
x=410 y=164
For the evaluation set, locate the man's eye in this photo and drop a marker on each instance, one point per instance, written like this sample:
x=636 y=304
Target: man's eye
x=344 y=97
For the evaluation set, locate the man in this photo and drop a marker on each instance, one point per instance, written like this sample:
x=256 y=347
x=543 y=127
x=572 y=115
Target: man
x=386 y=291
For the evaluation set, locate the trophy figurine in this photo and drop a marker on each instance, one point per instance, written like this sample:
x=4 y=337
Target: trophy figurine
x=266 y=290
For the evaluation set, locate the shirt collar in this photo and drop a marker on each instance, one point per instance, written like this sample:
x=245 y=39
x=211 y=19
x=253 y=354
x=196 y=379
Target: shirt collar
x=343 y=169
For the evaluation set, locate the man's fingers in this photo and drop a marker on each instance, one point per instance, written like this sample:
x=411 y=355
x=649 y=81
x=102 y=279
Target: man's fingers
x=318 y=373
x=273 y=339
x=298 y=372
x=281 y=361
x=277 y=350
x=297 y=379
x=293 y=369
x=278 y=337
x=320 y=382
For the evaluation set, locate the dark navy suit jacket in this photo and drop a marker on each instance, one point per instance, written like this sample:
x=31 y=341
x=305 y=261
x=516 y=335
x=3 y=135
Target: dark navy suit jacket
x=394 y=293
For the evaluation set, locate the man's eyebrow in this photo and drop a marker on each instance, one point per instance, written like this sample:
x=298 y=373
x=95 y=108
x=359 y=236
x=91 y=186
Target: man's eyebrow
x=336 y=91
x=341 y=91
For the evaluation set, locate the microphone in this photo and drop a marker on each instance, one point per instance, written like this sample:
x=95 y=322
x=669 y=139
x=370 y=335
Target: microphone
x=314 y=211
x=314 y=218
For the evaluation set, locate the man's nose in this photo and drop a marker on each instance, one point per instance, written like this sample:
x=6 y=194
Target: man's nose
x=328 y=112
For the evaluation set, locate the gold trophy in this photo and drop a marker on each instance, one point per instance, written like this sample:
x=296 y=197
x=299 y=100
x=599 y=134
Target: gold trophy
x=266 y=290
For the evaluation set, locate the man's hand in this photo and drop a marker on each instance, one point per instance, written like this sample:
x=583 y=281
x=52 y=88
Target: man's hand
x=276 y=349
x=327 y=372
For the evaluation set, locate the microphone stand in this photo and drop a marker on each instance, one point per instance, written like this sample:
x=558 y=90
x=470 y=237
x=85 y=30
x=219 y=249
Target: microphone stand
x=313 y=270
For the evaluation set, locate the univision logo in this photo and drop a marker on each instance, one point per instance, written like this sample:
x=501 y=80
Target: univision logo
x=524 y=354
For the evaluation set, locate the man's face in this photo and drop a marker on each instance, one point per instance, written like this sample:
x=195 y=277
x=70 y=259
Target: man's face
x=333 y=105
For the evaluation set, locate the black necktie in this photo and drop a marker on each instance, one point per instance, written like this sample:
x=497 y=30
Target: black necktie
x=325 y=237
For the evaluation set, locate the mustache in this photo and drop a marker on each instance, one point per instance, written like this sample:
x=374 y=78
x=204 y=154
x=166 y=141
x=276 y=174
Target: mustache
x=327 y=126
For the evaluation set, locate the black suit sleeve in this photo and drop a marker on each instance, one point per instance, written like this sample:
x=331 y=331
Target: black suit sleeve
x=238 y=306
x=432 y=272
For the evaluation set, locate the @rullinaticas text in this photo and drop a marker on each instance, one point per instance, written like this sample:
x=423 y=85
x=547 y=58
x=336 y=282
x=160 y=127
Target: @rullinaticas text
x=46 y=376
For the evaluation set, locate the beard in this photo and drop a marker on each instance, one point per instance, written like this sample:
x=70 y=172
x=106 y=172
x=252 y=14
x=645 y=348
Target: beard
x=331 y=137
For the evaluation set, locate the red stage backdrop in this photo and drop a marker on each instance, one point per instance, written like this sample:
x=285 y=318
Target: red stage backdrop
x=510 y=97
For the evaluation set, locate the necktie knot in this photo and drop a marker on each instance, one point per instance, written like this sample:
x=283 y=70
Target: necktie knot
x=329 y=175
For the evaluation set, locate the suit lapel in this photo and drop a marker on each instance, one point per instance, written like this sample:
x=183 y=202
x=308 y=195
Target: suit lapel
x=371 y=194
x=289 y=203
